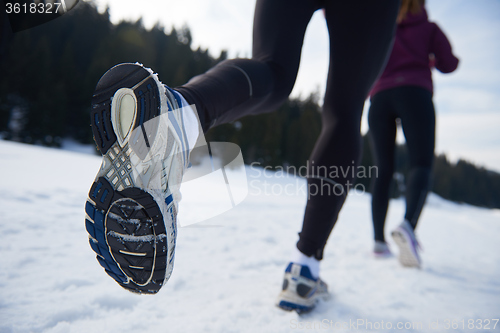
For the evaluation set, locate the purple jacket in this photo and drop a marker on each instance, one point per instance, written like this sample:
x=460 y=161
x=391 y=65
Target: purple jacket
x=411 y=61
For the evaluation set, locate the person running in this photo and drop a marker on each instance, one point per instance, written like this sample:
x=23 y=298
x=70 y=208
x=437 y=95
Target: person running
x=133 y=202
x=403 y=94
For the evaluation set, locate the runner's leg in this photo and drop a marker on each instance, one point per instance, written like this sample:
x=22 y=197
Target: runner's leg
x=382 y=122
x=361 y=33
x=418 y=120
x=240 y=87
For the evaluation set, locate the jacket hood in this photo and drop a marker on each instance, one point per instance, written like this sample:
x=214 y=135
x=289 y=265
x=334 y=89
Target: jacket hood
x=412 y=19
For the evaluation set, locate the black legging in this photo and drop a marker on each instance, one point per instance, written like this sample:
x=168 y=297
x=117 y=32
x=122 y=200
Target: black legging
x=413 y=106
x=360 y=33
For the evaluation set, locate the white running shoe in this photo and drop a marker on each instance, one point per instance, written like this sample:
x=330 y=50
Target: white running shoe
x=132 y=205
x=301 y=291
x=404 y=237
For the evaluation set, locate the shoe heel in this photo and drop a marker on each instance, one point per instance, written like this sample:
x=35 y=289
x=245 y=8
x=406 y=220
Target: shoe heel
x=123 y=114
x=126 y=97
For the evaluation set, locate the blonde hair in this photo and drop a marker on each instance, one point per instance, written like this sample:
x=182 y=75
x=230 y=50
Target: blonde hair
x=412 y=6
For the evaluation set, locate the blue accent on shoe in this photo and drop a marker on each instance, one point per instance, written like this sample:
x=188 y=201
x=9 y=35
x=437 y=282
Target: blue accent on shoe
x=89 y=226
x=98 y=241
x=304 y=271
x=104 y=258
x=313 y=291
x=172 y=119
x=174 y=229
x=176 y=95
x=94 y=230
x=99 y=236
x=90 y=210
x=96 y=191
x=95 y=246
x=185 y=139
x=99 y=218
x=112 y=268
x=116 y=277
x=104 y=195
x=169 y=106
x=169 y=199
x=292 y=306
x=143 y=106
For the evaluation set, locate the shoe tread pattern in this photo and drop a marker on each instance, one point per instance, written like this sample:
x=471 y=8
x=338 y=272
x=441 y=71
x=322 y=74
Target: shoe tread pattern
x=128 y=236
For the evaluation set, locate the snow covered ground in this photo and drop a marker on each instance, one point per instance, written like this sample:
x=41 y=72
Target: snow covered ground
x=227 y=276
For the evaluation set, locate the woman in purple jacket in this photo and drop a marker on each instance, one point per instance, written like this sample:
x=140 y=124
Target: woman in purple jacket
x=403 y=93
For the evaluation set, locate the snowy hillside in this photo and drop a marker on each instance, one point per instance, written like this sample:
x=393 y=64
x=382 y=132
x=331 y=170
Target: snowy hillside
x=229 y=269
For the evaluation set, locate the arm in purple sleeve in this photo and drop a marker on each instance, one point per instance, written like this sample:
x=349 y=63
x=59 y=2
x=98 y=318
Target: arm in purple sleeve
x=445 y=61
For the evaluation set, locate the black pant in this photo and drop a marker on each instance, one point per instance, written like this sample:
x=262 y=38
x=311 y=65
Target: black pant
x=361 y=34
x=414 y=108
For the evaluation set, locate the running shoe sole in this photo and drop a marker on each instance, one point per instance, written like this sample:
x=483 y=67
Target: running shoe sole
x=125 y=216
x=288 y=303
x=382 y=255
x=290 y=306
